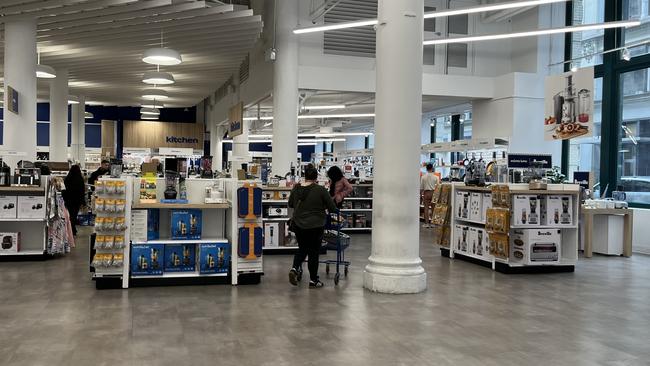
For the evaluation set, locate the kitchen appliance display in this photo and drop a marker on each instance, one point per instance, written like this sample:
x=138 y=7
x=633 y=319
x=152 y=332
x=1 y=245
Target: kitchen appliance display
x=569 y=105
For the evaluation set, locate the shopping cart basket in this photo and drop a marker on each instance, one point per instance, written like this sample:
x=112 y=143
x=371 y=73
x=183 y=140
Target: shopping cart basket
x=334 y=239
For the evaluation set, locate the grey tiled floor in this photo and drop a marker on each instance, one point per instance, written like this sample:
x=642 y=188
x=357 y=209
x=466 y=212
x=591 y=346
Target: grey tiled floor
x=51 y=314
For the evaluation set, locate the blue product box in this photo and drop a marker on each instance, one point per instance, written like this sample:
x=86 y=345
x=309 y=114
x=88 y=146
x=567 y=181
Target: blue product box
x=180 y=258
x=195 y=224
x=153 y=224
x=214 y=258
x=147 y=259
x=180 y=224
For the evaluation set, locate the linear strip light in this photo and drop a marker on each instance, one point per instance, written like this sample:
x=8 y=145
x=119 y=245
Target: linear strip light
x=542 y=32
x=266 y=118
x=316 y=116
x=433 y=14
x=317 y=135
x=323 y=107
x=268 y=141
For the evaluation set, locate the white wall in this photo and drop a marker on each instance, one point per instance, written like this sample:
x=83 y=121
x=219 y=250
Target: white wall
x=641 y=231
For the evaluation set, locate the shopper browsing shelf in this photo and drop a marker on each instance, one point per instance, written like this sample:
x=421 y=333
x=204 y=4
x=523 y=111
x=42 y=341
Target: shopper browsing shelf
x=74 y=194
x=103 y=169
x=310 y=202
x=339 y=185
x=428 y=183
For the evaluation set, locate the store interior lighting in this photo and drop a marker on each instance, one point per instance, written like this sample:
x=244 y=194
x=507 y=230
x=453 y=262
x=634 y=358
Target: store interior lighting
x=158 y=78
x=44 y=71
x=89 y=115
x=323 y=107
x=433 y=14
x=149 y=117
x=306 y=141
x=155 y=94
x=541 y=32
x=150 y=111
x=317 y=116
x=162 y=56
x=73 y=99
x=152 y=104
x=266 y=118
x=604 y=52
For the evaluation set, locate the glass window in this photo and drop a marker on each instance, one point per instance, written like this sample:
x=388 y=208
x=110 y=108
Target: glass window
x=634 y=147
x=584 y=153
x=429 y=55
x=640 y=10
x=589 y=42
x=429 y=23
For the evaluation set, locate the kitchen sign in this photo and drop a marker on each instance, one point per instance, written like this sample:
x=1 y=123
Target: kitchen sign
x=569 y=105
x=154 y=135
x=236 y=120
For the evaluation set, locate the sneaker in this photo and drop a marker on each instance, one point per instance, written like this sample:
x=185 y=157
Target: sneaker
x=293 y=276
x=316 y=284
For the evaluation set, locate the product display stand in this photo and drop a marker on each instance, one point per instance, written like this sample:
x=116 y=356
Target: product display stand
x=543 y=228
x=20 y=214
x=247 y=231
x=358 y=208
x=275 y=216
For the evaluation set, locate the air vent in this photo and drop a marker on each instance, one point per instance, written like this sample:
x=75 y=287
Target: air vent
x=352 y=41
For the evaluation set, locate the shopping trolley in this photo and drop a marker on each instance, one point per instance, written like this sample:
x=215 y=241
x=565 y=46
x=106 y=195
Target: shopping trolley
x=334 y=239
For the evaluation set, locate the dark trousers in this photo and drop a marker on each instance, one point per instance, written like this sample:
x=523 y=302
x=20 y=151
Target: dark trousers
x=309 y=242
x=73 y=211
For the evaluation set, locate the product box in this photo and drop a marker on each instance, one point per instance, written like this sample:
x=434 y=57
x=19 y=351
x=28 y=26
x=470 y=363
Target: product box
x=272 y=235
x=31 y=207
x=277 y=211
x=472 y=240
x=462 y=237
x=477 y=243
x=475 y=206
x=535 y=246
x=145 y=225
x=147 y=259
x=214 y=258
x=10 y=242
x=487 y=204
x=186 y=224
x=8 y=207
x=458 y=237
x=557 y=210
x=462 y=205
x=526 y=210
x=180 y=258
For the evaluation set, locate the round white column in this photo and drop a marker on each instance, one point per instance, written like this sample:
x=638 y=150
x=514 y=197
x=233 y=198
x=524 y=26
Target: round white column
x=216 y=146
x=285 y=89
x=78 y=135
x=59 y=116
x=395 y=264
x=20 y=74
x=240 y=147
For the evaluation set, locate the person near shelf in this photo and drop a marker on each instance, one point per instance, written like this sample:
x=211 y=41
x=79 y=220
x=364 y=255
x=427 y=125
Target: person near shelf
x=103 y=169
x=339 y=185
x=310 y=202
x=74 y=194
x=428 y=183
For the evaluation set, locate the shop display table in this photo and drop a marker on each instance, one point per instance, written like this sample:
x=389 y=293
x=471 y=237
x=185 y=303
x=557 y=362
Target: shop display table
x=588 y=215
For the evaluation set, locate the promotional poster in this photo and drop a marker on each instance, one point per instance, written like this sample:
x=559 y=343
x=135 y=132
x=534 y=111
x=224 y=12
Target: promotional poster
x=569 y=105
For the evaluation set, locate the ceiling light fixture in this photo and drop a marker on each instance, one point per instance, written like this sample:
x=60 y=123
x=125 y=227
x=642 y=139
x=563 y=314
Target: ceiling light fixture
x=154 y=94
x=323 y=107
x=152 y=104
x=161 y=55
x=429 y=15
x=150 y=111
x=541 y=32
x=317 y=135
x=158 y=78
x=88 y=115
x=349 y=115
x=44 y=71
x=626 y=54
x=149 y=116
x=73 y=99
x=266 y=118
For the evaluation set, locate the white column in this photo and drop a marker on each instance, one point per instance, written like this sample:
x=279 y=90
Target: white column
x=395 y=264
x=240 y=148
x=285 y=88
x=78 y=138
x=20 y=74
x=216 y=146
x=59 y=116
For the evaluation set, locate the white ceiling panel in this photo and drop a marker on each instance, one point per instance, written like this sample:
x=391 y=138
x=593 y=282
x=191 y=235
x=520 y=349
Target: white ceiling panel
x=100 y=43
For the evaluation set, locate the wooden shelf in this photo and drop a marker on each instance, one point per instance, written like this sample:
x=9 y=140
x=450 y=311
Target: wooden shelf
x=202 y=206
x=22 y=189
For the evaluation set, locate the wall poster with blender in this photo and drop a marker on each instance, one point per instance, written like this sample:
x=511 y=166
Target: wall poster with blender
x=569 y=105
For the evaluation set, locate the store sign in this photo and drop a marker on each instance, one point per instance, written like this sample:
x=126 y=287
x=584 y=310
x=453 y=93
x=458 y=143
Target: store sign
x=236 y=120
x=181 y=140
x=154 y=135
x=12 y=98
x=523 y=161
x=569 y=105
x=582 y=178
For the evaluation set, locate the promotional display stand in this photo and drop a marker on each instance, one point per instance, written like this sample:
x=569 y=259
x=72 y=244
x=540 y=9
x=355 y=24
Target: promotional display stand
x=277 y=238
x=358 y=208
x=541 y=228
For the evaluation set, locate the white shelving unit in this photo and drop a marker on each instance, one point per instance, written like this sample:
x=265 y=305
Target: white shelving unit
x=277 y=197
x=359 y=207
x=33 y=231
x=568 y=251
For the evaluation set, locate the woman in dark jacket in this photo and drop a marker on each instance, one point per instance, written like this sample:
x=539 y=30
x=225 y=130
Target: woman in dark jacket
x=74 y=194
x=310 y=202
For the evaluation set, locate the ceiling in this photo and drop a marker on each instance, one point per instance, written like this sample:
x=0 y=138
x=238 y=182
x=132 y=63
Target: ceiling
x=101 y=43
x=357 y=103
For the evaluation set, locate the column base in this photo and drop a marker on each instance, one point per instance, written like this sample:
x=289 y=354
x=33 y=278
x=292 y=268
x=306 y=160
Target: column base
x=395 y=277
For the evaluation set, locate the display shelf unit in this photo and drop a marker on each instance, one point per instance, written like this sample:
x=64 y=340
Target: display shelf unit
x=33 y=230
x=461 y=246
x=277 y=238
x=219 y=227
x=357 y=208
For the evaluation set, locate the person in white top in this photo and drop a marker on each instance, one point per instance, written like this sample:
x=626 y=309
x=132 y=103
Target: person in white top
x=428 y=183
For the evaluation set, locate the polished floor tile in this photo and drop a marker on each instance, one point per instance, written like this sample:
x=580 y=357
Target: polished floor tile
x=51 y=314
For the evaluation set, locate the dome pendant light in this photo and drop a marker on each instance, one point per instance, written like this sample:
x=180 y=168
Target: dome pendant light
x=149 y=116
x=154 y=94
x=150 y=111
x=161 y=55
x=158 y=77
x=153 y=104
x=44 y=71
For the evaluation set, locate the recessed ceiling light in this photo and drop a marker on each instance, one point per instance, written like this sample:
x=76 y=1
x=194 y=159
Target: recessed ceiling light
x=45 y=72
x=158 y=78
x=162 y=56
x=154 y=94
x=150 y=111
